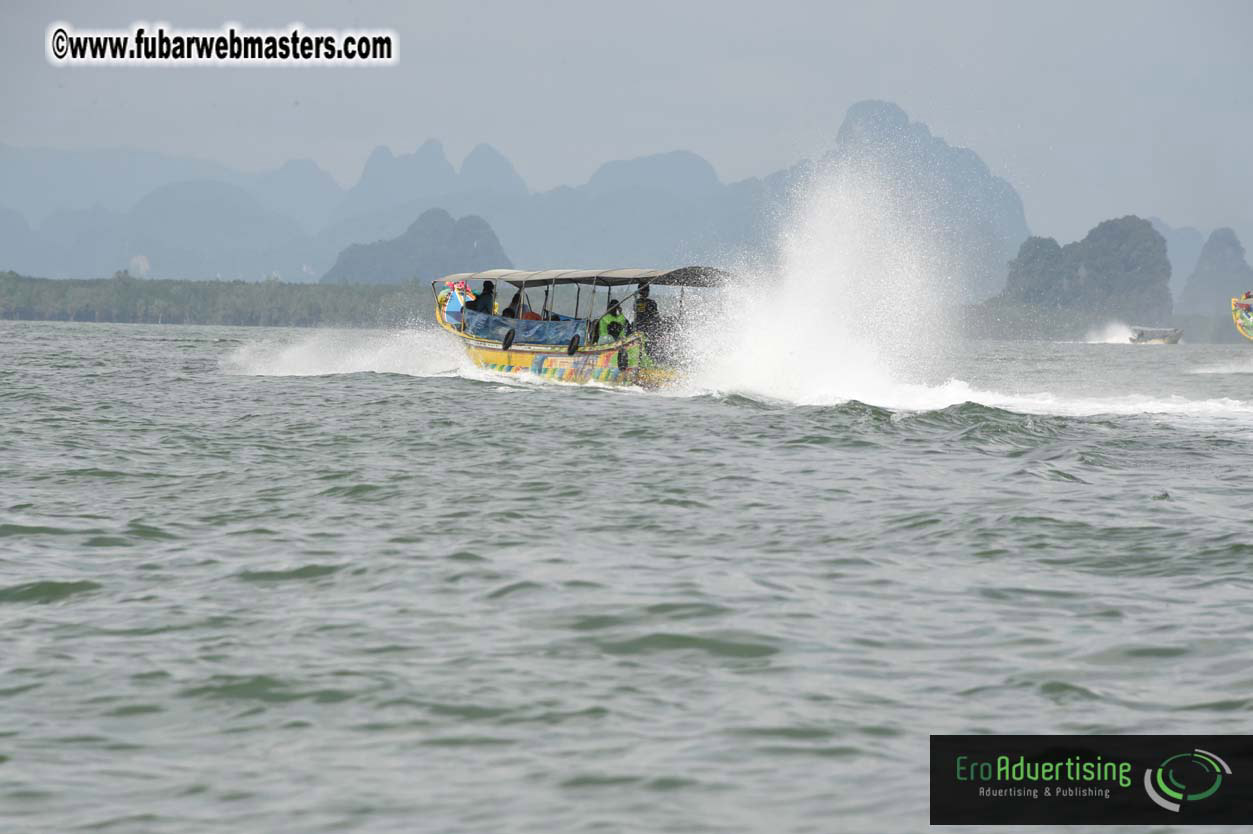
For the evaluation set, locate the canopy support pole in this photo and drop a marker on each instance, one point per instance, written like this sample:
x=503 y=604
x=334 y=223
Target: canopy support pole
x=592 y=325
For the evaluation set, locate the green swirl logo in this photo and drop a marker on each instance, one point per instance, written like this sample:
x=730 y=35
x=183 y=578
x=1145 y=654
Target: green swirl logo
x=1185 y=777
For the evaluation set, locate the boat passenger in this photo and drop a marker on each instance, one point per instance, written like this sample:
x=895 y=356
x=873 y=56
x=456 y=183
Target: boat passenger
x=511 y=312
x=485 y=301
x=647 y=318
x=612 y=326
x=514 y=310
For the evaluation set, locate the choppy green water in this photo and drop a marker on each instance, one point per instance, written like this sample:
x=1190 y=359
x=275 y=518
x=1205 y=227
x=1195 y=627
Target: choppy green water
x=283 y=582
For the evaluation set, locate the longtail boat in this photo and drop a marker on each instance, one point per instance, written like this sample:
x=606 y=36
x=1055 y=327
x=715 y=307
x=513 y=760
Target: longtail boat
x=1242 y=314
x=594 y=342
x=1156 y=335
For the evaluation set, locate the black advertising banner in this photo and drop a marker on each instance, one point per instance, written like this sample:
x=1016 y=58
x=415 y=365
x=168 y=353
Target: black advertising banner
x=1094 y=780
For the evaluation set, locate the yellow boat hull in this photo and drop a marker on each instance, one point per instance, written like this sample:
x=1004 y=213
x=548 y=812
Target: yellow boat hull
x=605 y=364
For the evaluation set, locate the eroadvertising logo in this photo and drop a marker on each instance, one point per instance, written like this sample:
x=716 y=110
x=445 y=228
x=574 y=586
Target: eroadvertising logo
x=1091 y=779
x=1192 y=776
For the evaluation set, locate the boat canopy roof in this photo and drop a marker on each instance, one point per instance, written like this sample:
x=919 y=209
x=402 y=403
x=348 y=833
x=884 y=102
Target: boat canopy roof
x=685 y=276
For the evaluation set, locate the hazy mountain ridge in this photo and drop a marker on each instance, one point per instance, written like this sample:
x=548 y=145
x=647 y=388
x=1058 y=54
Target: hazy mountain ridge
x=672 y=207
x=977 y=217
x=1183 y=247
x=214 y=224
x=487 y=170
x=388 y=179
x=190 y=229
x=433 y=246
x=1221 y=273
x=662 y=208
x=40 y=181
x=299 y=189
x=91 y=212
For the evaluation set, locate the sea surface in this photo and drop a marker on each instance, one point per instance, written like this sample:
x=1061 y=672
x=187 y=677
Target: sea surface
x=292 y=581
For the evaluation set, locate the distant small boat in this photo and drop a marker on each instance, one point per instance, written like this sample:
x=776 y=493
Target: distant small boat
x=1155 y=335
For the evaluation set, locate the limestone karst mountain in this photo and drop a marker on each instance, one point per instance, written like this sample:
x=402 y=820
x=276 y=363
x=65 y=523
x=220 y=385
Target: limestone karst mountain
x=660 y=208
x=434 y=245
x=1119 y=270
x=1183 y=247
x=1221 y=274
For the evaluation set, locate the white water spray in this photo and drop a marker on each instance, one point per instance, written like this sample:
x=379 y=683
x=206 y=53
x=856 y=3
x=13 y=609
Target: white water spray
x=860 y=309
x=855 y=310
x=418 y=351
x=1113 y=333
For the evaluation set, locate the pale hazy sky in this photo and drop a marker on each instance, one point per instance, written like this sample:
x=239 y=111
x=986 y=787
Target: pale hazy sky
x=1091 y=109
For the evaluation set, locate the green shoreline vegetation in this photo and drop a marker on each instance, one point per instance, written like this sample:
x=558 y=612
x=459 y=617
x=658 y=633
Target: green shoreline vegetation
x=126 y=299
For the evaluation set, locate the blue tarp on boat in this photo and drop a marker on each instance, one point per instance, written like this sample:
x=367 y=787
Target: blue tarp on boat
x=526 y=332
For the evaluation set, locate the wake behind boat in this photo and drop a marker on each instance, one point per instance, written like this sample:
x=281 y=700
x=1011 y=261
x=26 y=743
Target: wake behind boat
x=594 y=342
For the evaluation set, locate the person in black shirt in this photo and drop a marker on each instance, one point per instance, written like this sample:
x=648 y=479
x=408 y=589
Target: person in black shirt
x=647 y=319
x=485 y=300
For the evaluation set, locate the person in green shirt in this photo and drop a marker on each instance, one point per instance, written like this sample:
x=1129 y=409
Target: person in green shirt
x=612 y=326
